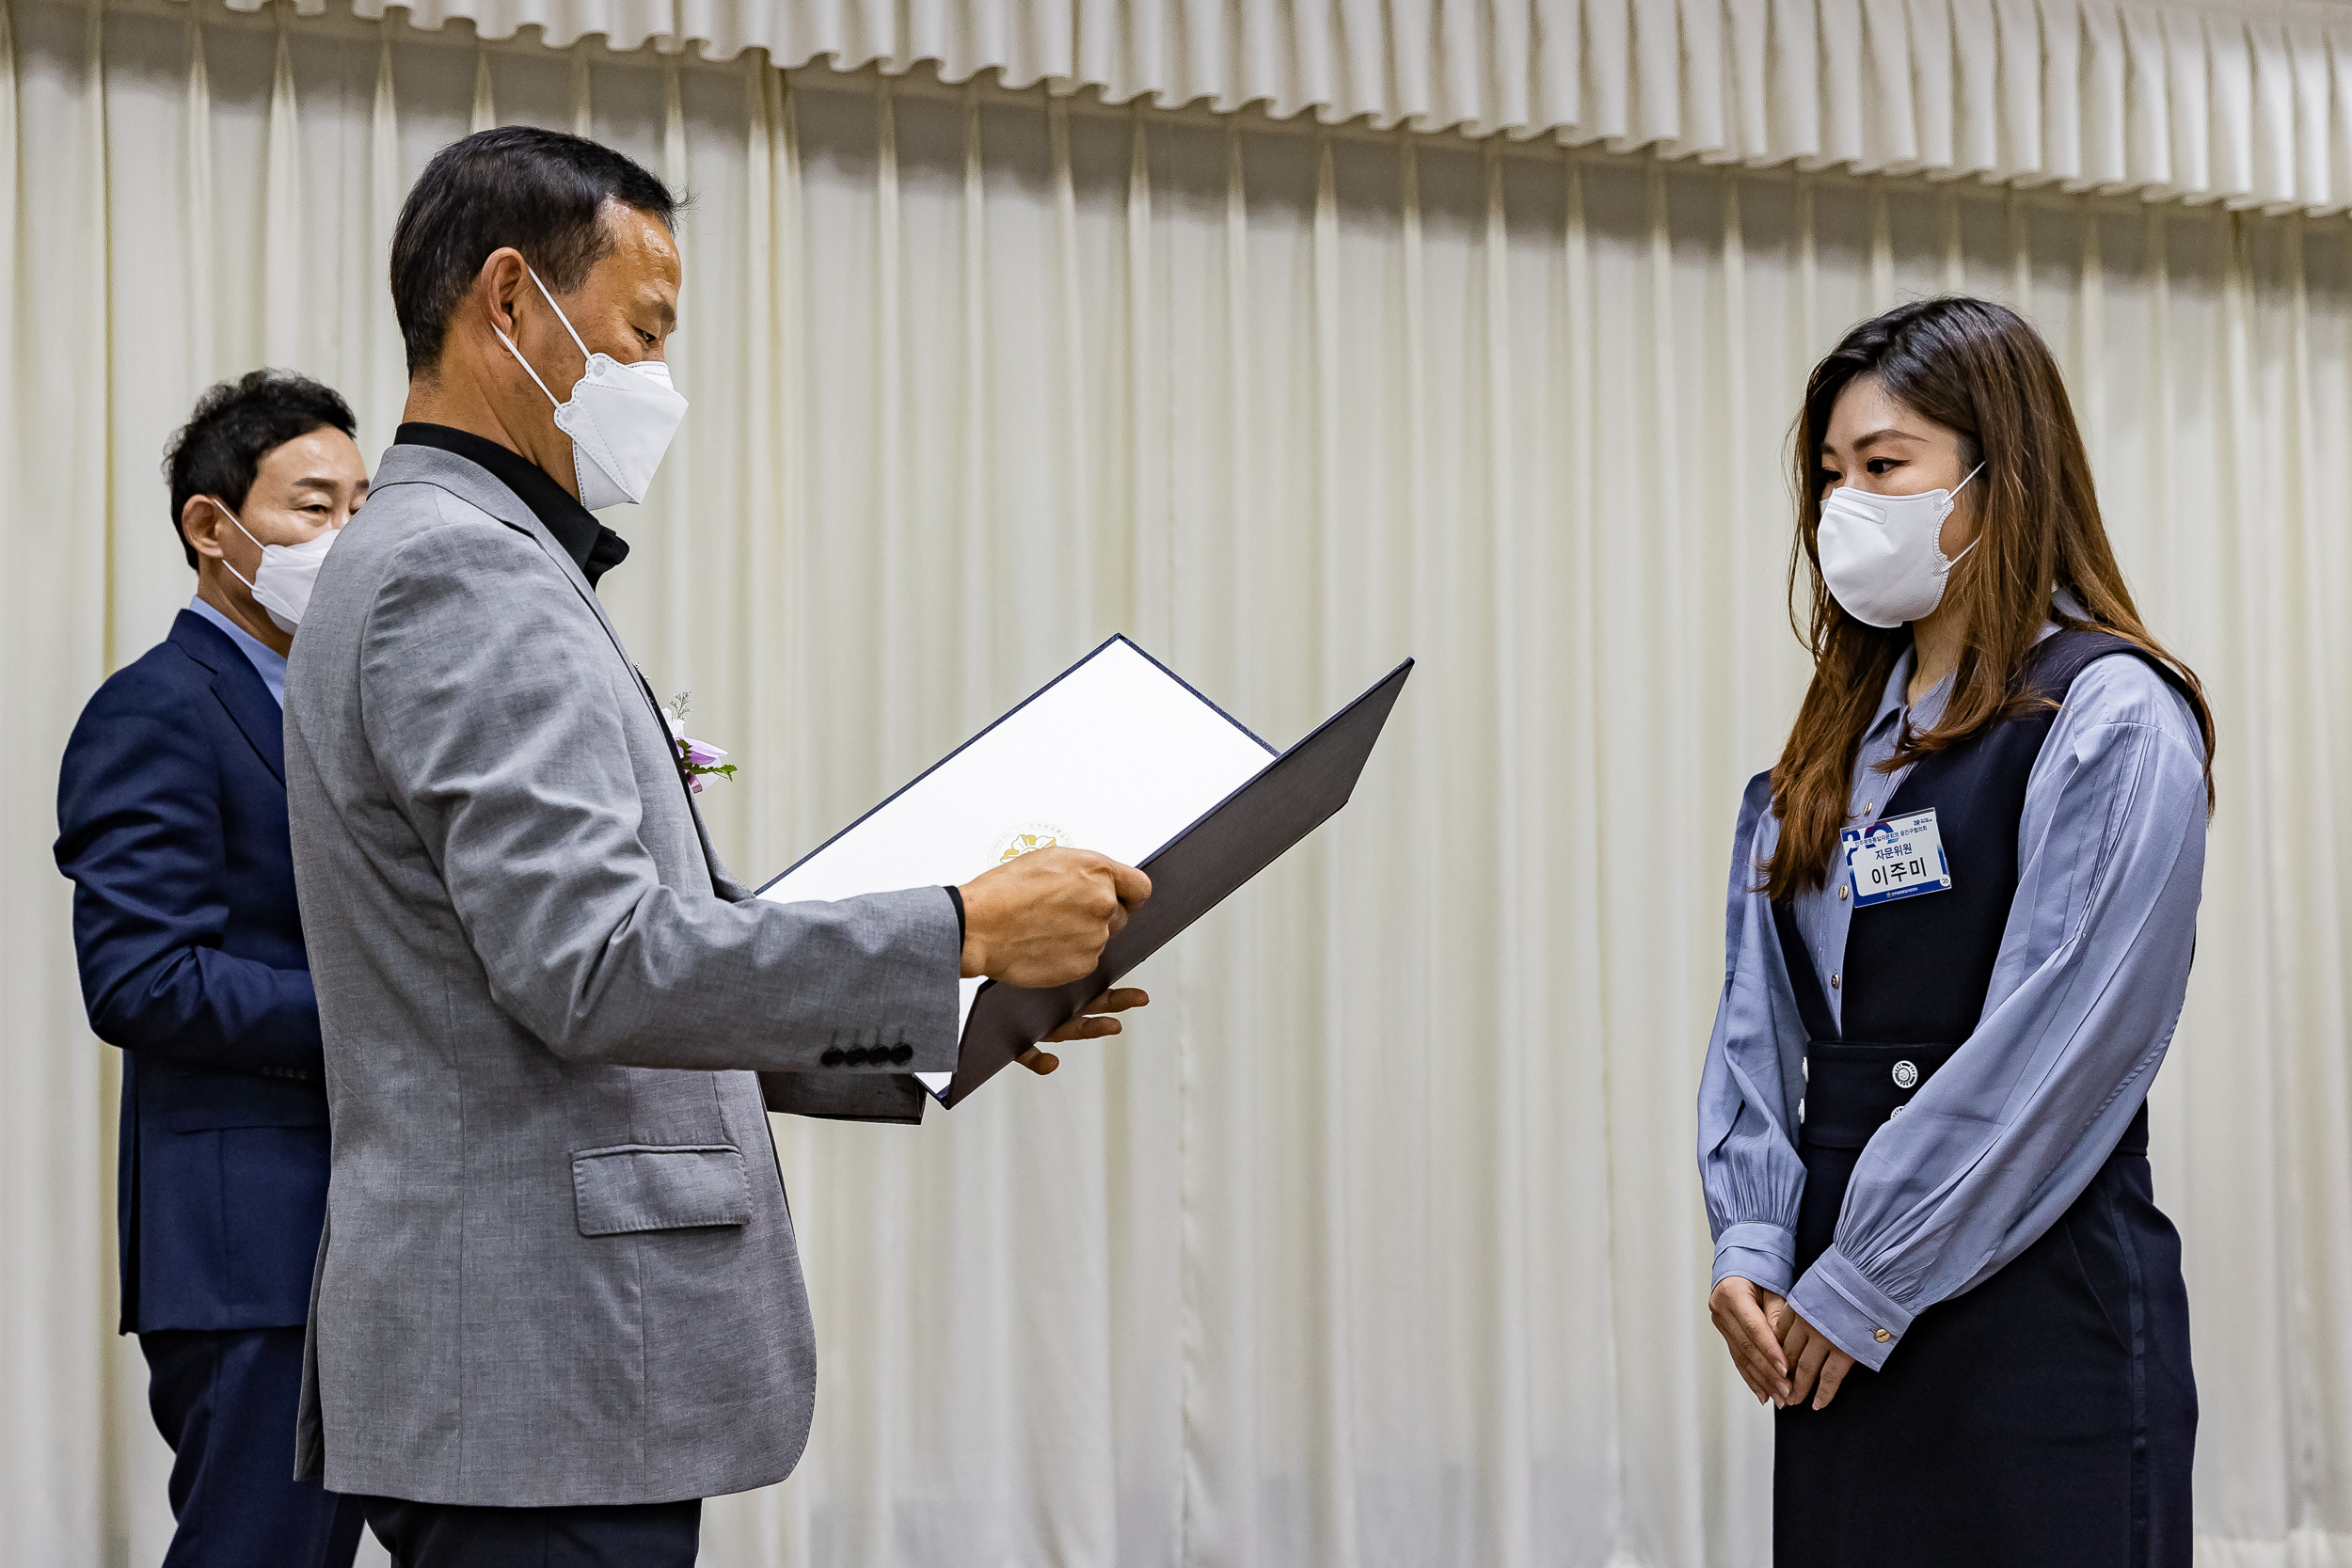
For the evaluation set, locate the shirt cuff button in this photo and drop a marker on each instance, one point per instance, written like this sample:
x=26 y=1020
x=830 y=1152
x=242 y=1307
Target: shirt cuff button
x=1881 y=1336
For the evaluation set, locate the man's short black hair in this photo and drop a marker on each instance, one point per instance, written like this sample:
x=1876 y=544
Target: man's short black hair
x=542 y=192
x=235 y=425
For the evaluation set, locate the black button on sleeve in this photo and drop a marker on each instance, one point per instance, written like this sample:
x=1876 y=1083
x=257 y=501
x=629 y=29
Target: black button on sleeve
x=902 y=1054
x=831 y=1057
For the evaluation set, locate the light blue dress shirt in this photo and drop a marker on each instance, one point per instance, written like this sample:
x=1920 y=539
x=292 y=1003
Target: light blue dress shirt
x=267 y=663
x=2084 y=997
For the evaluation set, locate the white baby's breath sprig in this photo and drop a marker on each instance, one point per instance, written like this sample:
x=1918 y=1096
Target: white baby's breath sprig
x=697 y=759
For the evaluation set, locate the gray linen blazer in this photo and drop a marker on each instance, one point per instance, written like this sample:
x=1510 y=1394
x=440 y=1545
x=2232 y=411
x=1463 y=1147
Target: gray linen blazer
x=558 y=1266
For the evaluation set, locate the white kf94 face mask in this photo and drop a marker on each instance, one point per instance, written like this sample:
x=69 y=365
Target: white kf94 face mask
x=1883 y=556
x=281 y=584
x=621 y=419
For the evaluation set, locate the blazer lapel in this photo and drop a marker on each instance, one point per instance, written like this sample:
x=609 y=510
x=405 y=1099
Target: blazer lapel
x=238 y=685
x=726 y=886
x=478 y=485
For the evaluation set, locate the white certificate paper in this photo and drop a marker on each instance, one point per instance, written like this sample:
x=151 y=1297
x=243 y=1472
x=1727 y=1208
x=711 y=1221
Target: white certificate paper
x=1116 y=754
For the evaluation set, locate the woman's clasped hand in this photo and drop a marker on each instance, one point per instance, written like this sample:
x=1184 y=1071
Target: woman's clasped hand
x=1780 y=1356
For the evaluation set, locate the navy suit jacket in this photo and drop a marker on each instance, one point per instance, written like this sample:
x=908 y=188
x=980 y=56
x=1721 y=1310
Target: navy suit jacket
x=171 y=816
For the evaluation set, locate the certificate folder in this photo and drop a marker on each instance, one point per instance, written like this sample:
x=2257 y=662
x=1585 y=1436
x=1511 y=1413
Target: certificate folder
x=1119 y=756
x=1191 y=875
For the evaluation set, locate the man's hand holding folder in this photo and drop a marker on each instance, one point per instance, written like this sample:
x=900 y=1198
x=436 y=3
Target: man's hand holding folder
x=1042 y=920
x=1176 y=802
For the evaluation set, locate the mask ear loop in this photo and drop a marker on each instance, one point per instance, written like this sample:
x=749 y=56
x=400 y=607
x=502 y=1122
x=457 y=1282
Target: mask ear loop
x=1947 y=511
x=586 y=358
x=584 y=354
x=525 y=365
x=249 y=534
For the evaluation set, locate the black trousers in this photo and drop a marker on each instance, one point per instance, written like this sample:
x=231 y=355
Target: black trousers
x=453 y=1535
x=2045 y=1419
x=226 y=1402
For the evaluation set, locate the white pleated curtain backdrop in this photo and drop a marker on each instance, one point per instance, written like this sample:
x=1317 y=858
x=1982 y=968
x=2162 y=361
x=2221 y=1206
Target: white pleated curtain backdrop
x=2247 y=101
x=1376 y=1240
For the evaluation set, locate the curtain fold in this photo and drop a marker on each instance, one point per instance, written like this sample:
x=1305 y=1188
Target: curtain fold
x=1376 y=1240
x=2207 y=100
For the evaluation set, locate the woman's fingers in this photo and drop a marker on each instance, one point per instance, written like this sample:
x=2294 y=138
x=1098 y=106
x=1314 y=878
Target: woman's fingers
x=1734 y=1340
x=1833 y=1373
x=1809 y=1357
x=1814 y=1363
x=1793 y=1344
x=1763 y=1350
x=1739 y=1316
x=1745 y=1359
x=1753 y=1369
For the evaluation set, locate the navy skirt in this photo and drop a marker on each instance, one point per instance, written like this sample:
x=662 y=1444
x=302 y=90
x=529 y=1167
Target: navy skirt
x=2047 y=1417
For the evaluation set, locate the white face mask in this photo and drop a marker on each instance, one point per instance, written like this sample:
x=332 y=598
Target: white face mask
x=282 y=584
x=1883 y=556
x=621 y=419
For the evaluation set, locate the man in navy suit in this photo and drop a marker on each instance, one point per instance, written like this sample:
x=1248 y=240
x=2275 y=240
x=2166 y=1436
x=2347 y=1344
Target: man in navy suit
x=172 y=814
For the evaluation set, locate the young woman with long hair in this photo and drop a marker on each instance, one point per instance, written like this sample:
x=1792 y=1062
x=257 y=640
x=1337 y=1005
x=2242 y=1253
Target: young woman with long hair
x=1963 y=905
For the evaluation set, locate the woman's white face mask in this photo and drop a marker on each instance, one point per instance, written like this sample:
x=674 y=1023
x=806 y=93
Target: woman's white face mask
x=1883 y=556
x=621 y=419
x=281 y=585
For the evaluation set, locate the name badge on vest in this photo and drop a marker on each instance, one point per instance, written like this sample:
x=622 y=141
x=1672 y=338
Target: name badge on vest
x=1898 y=858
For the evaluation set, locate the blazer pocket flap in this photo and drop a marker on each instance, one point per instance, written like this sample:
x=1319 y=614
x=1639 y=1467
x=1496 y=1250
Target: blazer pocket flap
x=652 y=1187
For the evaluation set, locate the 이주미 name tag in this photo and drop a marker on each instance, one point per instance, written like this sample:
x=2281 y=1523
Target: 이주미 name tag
x=1898 y=858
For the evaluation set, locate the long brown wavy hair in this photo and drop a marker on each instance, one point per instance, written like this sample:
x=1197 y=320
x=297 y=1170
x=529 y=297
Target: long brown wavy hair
x=1976 y=367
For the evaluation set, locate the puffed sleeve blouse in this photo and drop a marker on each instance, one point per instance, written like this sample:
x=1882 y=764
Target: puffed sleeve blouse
x=2093 y=964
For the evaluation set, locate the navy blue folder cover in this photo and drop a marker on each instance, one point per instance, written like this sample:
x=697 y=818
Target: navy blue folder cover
x=1193 y=873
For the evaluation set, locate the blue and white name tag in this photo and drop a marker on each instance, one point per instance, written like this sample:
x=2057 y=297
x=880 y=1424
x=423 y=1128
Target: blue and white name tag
x=1898 y=858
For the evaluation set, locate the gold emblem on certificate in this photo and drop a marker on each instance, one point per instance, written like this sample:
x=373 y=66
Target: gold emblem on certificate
x=1021 y=840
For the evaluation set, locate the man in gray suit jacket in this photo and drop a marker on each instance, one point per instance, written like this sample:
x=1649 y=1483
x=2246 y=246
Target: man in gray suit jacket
x=557 y=1302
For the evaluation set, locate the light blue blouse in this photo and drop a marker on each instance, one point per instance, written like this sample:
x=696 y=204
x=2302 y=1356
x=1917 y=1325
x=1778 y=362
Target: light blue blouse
x=2085 y=995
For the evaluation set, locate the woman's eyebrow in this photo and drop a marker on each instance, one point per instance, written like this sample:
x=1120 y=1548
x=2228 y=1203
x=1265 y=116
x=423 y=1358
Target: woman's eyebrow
x=1878 y=438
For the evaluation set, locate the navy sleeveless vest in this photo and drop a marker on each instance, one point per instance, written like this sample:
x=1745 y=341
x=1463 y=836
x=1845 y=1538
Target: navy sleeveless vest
x=1917 y=971
x=2048 y=1414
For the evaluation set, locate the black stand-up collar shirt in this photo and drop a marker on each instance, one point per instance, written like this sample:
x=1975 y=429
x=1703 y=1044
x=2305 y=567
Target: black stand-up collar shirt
x=595 y=547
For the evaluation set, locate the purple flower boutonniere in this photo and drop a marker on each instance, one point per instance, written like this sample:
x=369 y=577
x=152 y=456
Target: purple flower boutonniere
x=697 y=759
